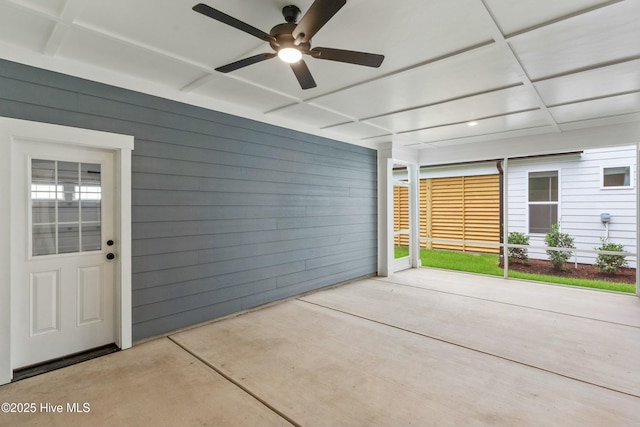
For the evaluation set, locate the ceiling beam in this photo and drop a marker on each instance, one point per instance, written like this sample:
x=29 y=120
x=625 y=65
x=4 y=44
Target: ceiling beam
x=561 y=18
x=63 y=25
x=526 y=80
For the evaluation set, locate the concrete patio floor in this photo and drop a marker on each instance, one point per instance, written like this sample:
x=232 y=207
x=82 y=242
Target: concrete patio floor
x=424 y=347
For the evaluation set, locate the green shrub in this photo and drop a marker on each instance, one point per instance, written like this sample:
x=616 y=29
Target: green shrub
x=610 y=263
x=555 y=238
x=518 y=254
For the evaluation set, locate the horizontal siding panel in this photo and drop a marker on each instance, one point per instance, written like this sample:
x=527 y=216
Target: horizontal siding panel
x=173 y=319
x=363 y=192
x=214 y=272
x=198 y=167
x=205 y=198
x=338 y=210
x=229 y=241
x=596 y=210
x=214 y=185
x=233 y=186
x=192 y=228
x=580 y=216
x=17 y=91
x=196 y=287
x=162 y=182
x=285 y=223
x=319 y=276
x=167 y=169
x=197 y=213
x=201 y=198
x=341 y=256
x=204 y=299
x=610 y=199
x=165 y=261
x=298 y=254
x=202 y=146
x=593 y=221
x=335 y=243
x=358 y=269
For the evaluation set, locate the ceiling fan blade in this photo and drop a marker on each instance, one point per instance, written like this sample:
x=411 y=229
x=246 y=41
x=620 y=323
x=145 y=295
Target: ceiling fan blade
x=349 y=56
x=246 y=61
x=230 y=20
x=318 y=14
x=303 y=74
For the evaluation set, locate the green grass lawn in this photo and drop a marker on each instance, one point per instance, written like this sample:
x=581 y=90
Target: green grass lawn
x=488 y=264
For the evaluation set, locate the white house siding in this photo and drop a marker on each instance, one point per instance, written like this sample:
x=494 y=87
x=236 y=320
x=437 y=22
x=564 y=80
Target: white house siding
x=581 y=199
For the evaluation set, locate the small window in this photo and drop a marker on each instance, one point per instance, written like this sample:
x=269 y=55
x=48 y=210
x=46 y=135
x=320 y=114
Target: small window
x=616 y=177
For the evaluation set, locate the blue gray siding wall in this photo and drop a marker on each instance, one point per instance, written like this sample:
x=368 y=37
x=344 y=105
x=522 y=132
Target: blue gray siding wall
x=228 y=213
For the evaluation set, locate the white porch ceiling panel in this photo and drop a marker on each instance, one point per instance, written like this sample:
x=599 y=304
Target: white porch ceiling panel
x=516 y=67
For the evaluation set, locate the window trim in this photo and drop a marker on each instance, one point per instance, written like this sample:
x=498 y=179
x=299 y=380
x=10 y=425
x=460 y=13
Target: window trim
x=528 y=203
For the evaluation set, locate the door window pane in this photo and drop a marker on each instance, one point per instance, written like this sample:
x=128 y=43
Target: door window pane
x=91 y=237
x=68 y=174
x=44 y=240
x=65 y=207
x=43 y=211
x=43 y=171
x=90 y=211
x=68 y=238
x=68 y=210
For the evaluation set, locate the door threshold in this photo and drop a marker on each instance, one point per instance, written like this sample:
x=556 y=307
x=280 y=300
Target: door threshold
x=62 y=362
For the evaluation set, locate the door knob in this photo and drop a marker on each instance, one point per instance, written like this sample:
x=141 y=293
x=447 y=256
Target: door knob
x=111 y=256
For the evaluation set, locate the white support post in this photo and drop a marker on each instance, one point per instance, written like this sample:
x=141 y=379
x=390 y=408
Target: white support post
x=637 y=251
x=505 y=217
x=385 y=213
x=414 y=214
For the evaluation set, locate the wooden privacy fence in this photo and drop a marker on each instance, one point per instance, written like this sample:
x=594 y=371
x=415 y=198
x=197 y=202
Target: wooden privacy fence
x=401 y=214
x=455 y=208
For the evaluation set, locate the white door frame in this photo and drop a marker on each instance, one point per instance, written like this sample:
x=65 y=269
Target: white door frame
x=12 y=131
x=413 y=185
x=387 y=265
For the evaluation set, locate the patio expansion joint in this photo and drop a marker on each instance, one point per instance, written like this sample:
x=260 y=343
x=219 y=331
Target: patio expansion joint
x=469 y=348
x=512 y=304
x=236 y=383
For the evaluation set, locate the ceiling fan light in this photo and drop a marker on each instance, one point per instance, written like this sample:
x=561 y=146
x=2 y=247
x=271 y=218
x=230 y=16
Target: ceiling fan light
x=290 y=55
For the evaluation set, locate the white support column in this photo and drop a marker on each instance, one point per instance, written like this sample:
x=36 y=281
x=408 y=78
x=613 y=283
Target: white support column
x=5 y=255
x=637 y=219
x=385 y=213
x=505 y=216
x=414 y=214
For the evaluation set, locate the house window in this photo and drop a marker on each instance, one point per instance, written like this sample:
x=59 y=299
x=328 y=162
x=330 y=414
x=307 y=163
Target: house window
x=616 y=177
x=543 y=201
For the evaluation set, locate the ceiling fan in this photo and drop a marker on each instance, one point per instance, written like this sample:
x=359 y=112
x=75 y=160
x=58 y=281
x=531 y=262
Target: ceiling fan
x=291 y=39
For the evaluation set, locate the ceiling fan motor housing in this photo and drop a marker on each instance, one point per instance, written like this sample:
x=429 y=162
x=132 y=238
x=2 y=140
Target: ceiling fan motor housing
x=284 y=38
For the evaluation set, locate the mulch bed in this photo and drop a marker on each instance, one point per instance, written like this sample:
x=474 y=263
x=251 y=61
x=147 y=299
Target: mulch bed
x=584 y=271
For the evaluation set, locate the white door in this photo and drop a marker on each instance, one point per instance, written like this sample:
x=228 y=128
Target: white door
x=63 y=251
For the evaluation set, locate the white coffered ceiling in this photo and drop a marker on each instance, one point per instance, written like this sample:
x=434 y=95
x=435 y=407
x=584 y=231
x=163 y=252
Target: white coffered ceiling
x=517 y=67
